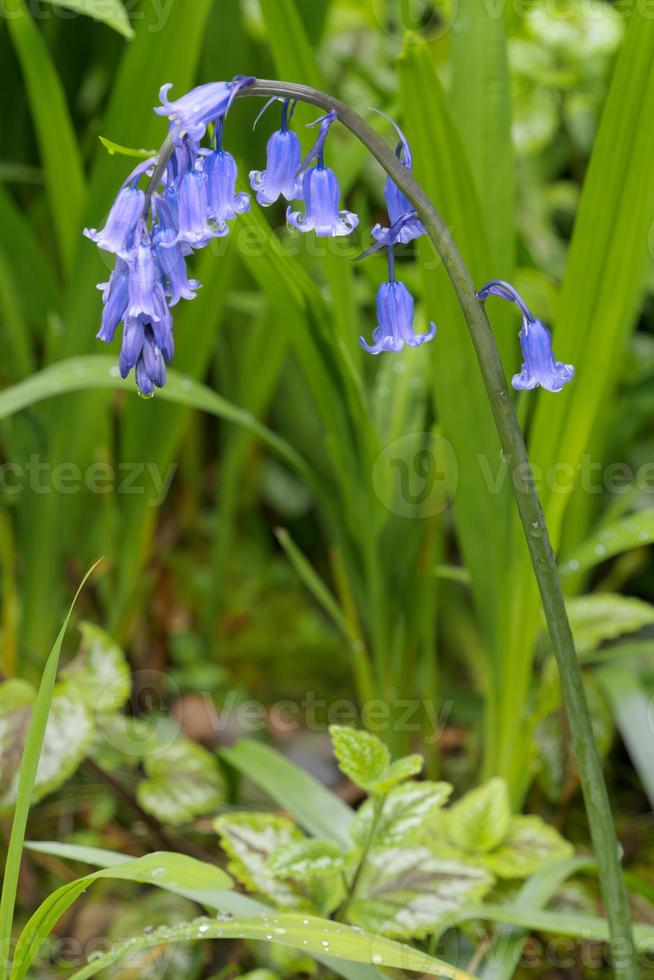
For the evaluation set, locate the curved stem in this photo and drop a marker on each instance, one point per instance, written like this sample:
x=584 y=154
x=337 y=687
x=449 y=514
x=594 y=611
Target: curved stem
x=602 y=830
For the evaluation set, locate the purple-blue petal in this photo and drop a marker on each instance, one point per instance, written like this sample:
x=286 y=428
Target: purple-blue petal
x=322 y=195
x=540 y=369
x=279 y=179
x=224 y=203
x=395 y=314
x=117 y=236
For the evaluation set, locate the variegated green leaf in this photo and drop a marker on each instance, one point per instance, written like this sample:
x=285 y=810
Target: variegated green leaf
x=183 y=782
x=250 y=839
x=314 y=867
x=406 y=811
x=529 y=845
x=407 y=892
x=99 y=674
x=68 y=735
x=480 y=820
x=305 y=860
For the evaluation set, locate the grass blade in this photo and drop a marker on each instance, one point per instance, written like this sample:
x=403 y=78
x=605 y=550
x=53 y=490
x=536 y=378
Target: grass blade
x=481 y=105
x=110 y=12
x=227 y=901
x=443 y=170
x=177 y=873
x=99 y=371
x=305 y=933
x=62 y=163
x=27 y=776
x=320 y=812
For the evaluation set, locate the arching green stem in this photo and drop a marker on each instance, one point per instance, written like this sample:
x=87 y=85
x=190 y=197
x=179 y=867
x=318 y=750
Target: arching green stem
x=600 y=819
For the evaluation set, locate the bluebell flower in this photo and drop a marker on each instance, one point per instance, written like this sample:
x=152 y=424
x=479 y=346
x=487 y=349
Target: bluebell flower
x=117 y=236
x=147 y=343
x=115 y=296
x=140 y=352
x=395 y=314
x=147 y=299
x=221 y=172
x=207 y=103
x=322 y=193
x=283 y=160
x=404 y=222
x=540 y=368
x=193 y=211
x=172 y=267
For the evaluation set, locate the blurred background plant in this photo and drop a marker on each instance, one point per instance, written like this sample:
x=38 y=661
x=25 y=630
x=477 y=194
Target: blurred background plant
x=370 y=544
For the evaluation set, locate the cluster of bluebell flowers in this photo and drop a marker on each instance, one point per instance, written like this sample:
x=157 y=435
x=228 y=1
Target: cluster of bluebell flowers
x=188 y=202
x=540 y=369
x=190 y=198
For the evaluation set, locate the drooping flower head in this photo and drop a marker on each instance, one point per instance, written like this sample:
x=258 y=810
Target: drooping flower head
x=540 y=368
x=202 y=105
x=405 y=225
x=188 y=201
x=283 y=160
x=321 y=192
x=395 y=314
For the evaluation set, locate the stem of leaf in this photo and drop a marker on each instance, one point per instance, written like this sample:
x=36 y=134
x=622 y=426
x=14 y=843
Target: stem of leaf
x=378 y=803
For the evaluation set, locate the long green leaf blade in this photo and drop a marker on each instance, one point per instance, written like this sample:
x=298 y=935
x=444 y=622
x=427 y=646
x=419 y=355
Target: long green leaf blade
x=305 y=933
x=99 y=371
x=110 y=12
x=320 y=812
x=27 y=777
x=62 y=163
x=177 y=873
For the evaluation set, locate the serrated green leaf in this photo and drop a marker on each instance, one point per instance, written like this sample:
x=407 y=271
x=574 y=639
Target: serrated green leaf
x=396 y=773
x=480 y=820
x=606 y=616
x=110 y=12
x=406 y=811
x=361 y=756
x=183 y=782
x=407 y=892
x=305 y=860
x=99 y=674
x=250 y=839
x=366 y=761
x=529 y=845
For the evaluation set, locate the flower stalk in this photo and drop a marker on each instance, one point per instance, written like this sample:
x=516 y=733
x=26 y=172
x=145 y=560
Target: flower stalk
x=600 y=819
x=398 y=169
